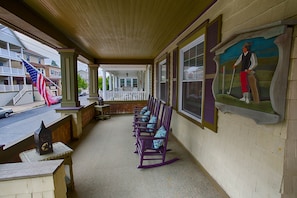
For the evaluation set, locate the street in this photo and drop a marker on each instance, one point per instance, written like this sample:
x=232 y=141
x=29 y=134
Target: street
x=23 y=124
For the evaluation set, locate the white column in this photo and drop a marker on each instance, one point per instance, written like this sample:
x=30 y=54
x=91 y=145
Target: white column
x=110 y=82
x=24 y=70
x=116 y=82
x=93 y=81
x=148 y=80
x=10 y=68
x=104 y=84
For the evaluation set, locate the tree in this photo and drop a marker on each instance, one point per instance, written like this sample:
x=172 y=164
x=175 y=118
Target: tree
x=100 y=82
x=82 y=84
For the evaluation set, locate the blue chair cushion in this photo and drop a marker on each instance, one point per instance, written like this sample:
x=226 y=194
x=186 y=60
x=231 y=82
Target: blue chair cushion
x=160 y=133
x=151 y=124
x=146 y=116
x=143 y=110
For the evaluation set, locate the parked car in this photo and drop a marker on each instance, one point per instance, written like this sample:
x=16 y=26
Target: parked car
x=83 y=94
x=58 y=99
x=5 y=112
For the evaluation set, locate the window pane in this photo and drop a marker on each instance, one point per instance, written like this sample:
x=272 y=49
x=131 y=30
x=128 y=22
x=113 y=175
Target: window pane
x=199 y=61
x=163 y=91
x=162 y=69
x=192 y=98
x=200 y=48
x=193 y=63
x=192 y=52
x=128 y=82
x=192 y=73
x=134 y=82
x=122 y=82
x=163 y=73
x=186 y=55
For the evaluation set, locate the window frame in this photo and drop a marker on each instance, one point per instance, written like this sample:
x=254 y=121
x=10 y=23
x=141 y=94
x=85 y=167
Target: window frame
x=128 y=82
x=41 y=70
x=191 y=42
x=162 y=81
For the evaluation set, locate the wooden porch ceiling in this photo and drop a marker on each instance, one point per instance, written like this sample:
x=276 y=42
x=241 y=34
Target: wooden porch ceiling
x=104 y=31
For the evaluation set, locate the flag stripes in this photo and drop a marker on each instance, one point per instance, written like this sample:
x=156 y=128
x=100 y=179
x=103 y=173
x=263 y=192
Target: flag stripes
x=39 y=82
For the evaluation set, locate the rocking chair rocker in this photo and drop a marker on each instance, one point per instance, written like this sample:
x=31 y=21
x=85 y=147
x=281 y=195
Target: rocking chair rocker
x=154 y=148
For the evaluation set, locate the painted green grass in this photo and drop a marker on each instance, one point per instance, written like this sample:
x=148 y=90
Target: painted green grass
x=263 y=106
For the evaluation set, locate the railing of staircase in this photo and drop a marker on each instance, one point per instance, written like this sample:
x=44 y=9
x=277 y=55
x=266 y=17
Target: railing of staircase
x=17 y=97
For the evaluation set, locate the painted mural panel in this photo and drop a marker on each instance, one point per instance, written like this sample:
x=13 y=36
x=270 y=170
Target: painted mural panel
x=252 y=68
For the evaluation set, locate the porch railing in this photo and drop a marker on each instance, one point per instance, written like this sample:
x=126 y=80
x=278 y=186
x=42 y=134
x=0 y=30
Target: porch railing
x=9 y=55
x=8 y=88
x=11 y=71
x=124 y=95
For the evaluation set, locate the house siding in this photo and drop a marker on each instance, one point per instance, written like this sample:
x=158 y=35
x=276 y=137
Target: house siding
x=246 y=159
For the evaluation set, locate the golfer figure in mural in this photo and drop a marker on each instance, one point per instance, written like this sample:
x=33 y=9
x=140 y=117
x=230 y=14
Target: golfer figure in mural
x=248 y=80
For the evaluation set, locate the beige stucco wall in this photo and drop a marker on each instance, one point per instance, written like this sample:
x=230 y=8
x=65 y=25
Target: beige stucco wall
x=247 y=160
x=290 y=162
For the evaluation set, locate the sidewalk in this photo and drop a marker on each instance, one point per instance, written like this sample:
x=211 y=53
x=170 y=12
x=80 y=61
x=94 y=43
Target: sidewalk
x=24 y=107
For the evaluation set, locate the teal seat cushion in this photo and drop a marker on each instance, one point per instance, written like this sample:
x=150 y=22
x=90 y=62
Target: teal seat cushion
x=160 y=133
x=151 y=124
x=143 y=110
x=146 y=116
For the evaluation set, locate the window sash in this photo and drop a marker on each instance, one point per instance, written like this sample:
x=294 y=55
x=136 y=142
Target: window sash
x=192 y=79
x=162 y=80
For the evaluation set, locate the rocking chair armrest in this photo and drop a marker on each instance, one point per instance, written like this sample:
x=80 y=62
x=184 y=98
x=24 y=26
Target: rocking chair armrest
x=140 y=122
x=138 y=116
x=144 y=138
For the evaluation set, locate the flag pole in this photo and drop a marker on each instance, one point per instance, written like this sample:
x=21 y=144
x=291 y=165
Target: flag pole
x=40 y=73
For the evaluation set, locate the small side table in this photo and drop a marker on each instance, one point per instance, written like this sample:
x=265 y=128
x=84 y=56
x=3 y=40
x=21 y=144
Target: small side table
x=103 y=111
x=61 y=151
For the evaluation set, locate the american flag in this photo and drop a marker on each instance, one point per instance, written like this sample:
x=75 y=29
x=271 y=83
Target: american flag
x=39 y=81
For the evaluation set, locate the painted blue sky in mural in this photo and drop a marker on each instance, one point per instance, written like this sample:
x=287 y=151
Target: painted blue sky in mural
x=258 y=45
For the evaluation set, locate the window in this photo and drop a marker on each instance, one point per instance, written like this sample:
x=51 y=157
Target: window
x=122 y=82
x=162 y=80
x=192 y=78
x=195 y=74
x=134 y=82
x=128 y=81
x=41 y=70
x=55 y=73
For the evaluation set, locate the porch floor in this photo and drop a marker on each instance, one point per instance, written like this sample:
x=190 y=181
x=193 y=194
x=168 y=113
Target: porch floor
x=105 y=165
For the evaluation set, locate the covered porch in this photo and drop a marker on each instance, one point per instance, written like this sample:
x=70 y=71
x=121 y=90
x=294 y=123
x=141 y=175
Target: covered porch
x=247 y=159
x=104 y=165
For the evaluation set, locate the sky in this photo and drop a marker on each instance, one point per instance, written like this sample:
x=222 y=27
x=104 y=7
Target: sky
x=46 y=51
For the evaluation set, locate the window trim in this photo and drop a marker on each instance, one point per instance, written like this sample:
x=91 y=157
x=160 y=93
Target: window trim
x=192 y=43
x=162 y=64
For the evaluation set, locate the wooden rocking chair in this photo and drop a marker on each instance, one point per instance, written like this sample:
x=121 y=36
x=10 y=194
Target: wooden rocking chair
x=148 y=105
x=145 y=111
x=149 y=125
x=154 y=148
